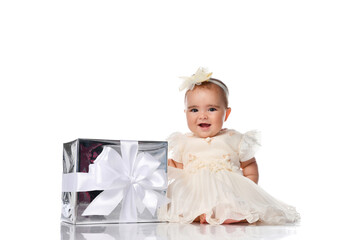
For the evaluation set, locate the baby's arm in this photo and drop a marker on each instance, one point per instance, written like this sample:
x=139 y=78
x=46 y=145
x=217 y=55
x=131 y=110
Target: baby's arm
x=250 y=170
x=175 y=164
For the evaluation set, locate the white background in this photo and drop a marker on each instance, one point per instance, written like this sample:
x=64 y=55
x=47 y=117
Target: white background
x=109 y=70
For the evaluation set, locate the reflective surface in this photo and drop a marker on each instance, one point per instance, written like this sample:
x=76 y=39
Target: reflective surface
x=175 y=231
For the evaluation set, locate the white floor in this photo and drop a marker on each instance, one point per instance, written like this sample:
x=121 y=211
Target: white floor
x=193 y=231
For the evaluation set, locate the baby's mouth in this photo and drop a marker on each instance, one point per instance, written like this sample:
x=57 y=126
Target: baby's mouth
x=204 y=125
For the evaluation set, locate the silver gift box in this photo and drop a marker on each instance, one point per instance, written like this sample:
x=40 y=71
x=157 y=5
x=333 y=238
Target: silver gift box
x=113 y=181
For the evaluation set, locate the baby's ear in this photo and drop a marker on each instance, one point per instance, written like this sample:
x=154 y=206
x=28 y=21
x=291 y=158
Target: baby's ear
x=228 y=111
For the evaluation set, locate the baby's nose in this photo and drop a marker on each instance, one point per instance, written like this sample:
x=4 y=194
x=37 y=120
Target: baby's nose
x=203 y=116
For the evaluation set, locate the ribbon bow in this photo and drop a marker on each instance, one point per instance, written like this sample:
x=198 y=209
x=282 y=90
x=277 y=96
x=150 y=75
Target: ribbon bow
x=132 y=178
x=200 y=76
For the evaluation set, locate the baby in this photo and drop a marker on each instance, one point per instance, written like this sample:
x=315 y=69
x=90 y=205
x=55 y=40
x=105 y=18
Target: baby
x=213 y=174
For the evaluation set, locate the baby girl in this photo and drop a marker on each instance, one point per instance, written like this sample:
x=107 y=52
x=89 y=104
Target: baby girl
x=213 y=174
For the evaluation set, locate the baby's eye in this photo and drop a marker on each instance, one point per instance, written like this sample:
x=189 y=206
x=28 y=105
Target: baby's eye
x=212 y=109
x=194 y=110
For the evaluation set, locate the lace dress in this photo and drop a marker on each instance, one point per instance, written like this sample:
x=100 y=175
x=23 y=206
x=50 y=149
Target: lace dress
x=213 y=183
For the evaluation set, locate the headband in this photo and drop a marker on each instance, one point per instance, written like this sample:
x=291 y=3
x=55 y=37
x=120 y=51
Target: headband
x=201 y=75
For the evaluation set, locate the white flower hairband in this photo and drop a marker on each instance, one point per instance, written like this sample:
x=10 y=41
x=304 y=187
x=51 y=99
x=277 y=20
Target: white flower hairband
x=201 y=75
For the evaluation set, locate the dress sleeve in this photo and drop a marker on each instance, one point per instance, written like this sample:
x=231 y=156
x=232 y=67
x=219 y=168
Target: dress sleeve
x=249 y=145
x=175 y=146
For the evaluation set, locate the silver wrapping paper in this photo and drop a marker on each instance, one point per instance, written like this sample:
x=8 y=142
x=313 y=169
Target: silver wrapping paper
x=78 y=155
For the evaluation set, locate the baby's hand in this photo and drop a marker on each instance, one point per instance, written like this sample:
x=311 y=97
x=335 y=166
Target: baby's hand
x=175 y=164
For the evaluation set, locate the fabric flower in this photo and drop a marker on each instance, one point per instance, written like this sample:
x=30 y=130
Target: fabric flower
x=200 y=76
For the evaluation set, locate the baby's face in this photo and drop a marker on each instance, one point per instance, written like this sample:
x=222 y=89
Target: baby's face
x=205 y=111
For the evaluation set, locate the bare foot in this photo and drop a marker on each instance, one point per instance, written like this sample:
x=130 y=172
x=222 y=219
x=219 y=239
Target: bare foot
x=197 y=219
x=203 y=218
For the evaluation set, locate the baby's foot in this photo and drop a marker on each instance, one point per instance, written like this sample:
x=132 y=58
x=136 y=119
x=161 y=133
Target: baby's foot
x=203 y=218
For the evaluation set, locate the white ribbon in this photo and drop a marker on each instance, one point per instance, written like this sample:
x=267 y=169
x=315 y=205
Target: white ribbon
x=132 y=178
x=201 y=75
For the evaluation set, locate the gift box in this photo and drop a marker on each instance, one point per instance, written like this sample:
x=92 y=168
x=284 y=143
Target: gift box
x=113 y=181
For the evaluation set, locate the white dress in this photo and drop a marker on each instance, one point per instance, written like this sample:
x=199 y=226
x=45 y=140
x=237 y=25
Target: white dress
x=212 y=182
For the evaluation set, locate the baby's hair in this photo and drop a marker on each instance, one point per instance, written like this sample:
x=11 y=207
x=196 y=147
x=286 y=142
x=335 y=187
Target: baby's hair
x=209 y=85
